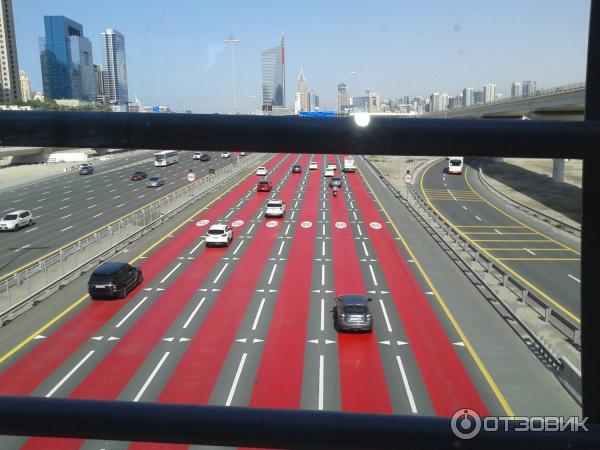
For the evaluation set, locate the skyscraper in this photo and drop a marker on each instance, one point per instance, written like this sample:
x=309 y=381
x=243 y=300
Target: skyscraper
x=273 y=77
x=10 y=84
x=114 y=67
x=303 y=91
x=529 y=88
x=468 y=97
x=434 y=102
x=99 y=77
x=489 y=92
x=25 y=86
x=515 y=90
x=66 y=58
x=343 y=100
x=478 y=97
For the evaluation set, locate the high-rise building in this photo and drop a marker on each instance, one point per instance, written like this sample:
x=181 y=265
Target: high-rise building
x=529 y=88
x=374 y=100
x=489 y=92
x=314 y=102
x=515 y=90
x=10 y=84
x=114 y=67
x=343 y=100
x=99 y=77
x=25 y=86
x=467 y=97
x=273 y=77
x=443 y=102
x=303 y=92
x=434 y=102
x=66 y=58
x=478 y=97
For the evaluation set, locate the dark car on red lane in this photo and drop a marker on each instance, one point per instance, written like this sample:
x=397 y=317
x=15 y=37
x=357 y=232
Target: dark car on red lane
x=139 y=175
x=264 y=186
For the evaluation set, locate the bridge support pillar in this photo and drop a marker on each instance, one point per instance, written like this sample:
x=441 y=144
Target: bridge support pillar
x=558 y=170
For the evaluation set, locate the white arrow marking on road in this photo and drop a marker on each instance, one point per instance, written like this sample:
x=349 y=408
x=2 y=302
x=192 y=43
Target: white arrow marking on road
x=98 y=338
x=113 y=338
x=385 y=342
x=241 y=340
x=255 y=340
x=460 y=344
x=327 y=341
x=429 y=293
x=314 y=341
x=169 y=339
x=183 y=339
x=401 y=343
x=39 y=336
x=316 y=290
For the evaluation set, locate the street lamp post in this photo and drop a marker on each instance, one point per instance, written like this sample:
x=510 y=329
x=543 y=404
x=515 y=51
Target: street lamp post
x=231 y=40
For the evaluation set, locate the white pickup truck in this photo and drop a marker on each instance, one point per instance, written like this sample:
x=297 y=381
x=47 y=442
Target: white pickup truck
x=349 y=165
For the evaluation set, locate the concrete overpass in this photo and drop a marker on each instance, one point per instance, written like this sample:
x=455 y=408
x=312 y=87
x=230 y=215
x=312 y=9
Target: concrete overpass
x=34 y=155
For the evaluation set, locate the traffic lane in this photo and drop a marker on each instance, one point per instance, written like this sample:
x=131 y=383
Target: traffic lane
x=528 y=386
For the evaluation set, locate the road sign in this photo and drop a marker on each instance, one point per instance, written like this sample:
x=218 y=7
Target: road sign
x=191 y=177
x=408 y=178
x=155 y=109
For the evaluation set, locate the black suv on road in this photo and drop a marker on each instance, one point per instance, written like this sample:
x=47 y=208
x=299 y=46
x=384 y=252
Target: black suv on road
x=114 y=280
x=205 y=157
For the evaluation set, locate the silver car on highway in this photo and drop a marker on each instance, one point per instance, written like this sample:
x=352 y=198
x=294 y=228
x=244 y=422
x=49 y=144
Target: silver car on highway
x=155 y=182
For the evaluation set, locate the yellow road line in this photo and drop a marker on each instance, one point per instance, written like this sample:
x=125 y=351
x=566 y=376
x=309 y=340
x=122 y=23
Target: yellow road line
x=489 y=255
x=487 y=226
x=69 y=308
x=486 y=374
x=529 y=248
x=538 y=259
x=510 y=240
x=495 y=233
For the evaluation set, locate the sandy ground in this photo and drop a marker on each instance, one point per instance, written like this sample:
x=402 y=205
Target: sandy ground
x=394 y=167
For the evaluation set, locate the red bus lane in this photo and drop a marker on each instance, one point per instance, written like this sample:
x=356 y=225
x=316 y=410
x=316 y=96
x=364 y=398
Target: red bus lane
x=42 y=360
x=279 y=378
x=362 y=379
x=107 y=380
x=448 y=383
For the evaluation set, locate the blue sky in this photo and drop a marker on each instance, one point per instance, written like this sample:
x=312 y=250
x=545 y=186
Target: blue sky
x=175 y=49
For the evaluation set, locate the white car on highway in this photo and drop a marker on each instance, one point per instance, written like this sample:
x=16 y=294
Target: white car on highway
x=329 y=172
x=331 y=167
x=16 y=219
x=219 y=234
x=261 y=171
x=275 y=208
x=225 y=155
x=313 y=165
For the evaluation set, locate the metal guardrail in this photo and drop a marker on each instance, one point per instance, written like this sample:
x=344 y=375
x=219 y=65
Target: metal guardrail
x=29 y=286
x=527 y=209
x=566 y=372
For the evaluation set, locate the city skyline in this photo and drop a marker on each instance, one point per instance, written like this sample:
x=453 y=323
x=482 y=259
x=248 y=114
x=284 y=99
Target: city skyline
x=466 y=46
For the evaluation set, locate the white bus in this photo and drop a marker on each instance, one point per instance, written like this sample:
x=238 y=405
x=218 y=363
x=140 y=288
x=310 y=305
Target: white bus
x=455 y=164
x=165 y=158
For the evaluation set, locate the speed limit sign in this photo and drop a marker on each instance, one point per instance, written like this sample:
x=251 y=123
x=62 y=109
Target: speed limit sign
x=191 y=177
x=408 y=178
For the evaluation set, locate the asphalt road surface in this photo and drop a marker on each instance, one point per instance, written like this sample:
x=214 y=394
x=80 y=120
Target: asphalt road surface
x=250 y=324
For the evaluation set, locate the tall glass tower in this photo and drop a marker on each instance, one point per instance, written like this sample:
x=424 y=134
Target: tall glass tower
x=273 y=77
x=66 y=58
x=10 y=86
x=115 y=68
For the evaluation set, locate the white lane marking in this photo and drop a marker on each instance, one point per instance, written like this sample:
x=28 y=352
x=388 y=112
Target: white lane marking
x=296 y=205
x=236 y=380
x=229 y=215
x=322 y=314
x=171 y=272
x=63 y=207
x=220 y=273
x=64 y=199
x=65 y=229
x=71 y=372
x=449 y=192
x=323 y=248
x=385 y=316
x=411 y=400
x=117 y=196
x=143 y=195
x=118 y=206
x=323 y=215
x=255 y=323
x=322 y=274
x=259 y=215
x=151 y=377
x=238 y=247
x=354 y=213
x=365 y=248
x=323 y=229
x=191 y=317
x=293 y=214
x=497 y=231
x=91 y=206
x=373 y=275
x=31 y=229
x=91 y=190
x=239 y=204
x=323 y=205
x=34 y=209
x=530 y=252
x=90 y=198
x=25 y=246
x=321 y=377
x=280 y=248
x=464 y=207
x=478 y=218
x=287 y=228
x=98 y=215
x=112 y=190
x=351 y=205
x=68 y=215
x=196 y=247
x=576 y=279
x=272 y=273
x=124 y=319
x=359 y=230
x=250 y=229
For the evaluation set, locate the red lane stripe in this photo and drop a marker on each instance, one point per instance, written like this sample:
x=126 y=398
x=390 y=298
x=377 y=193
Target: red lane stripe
x=448 y=383
x=197 y=372
x=279 y=378
x=36 y=365
x=362 y=379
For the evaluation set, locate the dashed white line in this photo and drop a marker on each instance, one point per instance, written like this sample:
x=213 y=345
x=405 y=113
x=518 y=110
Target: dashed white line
x=91 y=206
x=236 y=380
x=255 y=323
x=323 y=229
x=68 y=375
x=385 y=316
x=321 y=379
x=359 y=230
x=322 y=274
x=478 y=218
x=65 y=199
x=373 y=275
x=464 y=207
x=530 y=252
x=25 y=246
x=497 y=231
x=98 y=215
x=63 y=207
x=280 y=248
x=118 y=206
x=112 y=190
x=68 y=228
x=238 y=247
x=170 y=273
x=411 y=400
x=124 y=319
x=272 y=273
x=293 y=214
x=229 y=214
x=191 y=316
x=354 y=213
x=90 y=198
x=296 y=205
x=450 y=192
x=151 y=377
x=365 y=248
x=287 y=228
x=323 y=248
x=31 y=229
x=196 y=247
x=322 y=314
x=250 y=229
x=34 y=209
x=576 y=279
x=220 y=273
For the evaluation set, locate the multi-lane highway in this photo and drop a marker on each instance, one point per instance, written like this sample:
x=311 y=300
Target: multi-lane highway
x=543 y=259
x=250 y=324
x=68 y=206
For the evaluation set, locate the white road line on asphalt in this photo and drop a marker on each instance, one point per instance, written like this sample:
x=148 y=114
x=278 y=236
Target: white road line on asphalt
x=365 y=248
x=385 y=316
x=31 y=229
x=250 y=229
x=238 y=247
x=323 y=248
x=43 y=193
x=373 y=275
x=260 y=307
x=117 y=196
x=322 y=314
x=359 y=230
x=323 y=229
x=239 y=204
x=576 y=279
x=71 y=372
x=151 y=377
x=40 y=200
x=296 y=205
x=351 y=205
x=530 y=252
x=91 y=190
x=128 y=315
x=236 y=380
x=323 y=215
x=321 y=379
x=112 y=190
x=64 y=199
x=220 y=273
x=68 y=228
x=478 y=218
x=449 y=192
x=322 y=274
x=323 y=205
x=287 y=228
x=229 y=214
x=170 y=273
x=272 y=273
x=497 y=231
x=91 y=206
x=411 y=400
x=98 y=215
x=193 y=314
x=118 y=206
x=196 y=247
x=354 y=213
x=464 y=207
x=143 y=195
x=90 y=198
x=293 y=214
x=64 y=207
x=34 y=209
x=280 y=248
x=25 y=246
